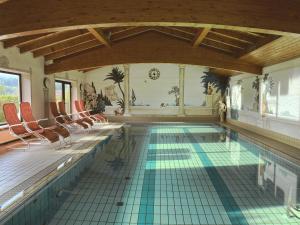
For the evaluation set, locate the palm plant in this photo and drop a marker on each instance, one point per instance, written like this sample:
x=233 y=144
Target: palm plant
x=175 y=90
x=221 y=83
x=133 y=97
x=117 y=76
x=121 y=103
x=255 y=86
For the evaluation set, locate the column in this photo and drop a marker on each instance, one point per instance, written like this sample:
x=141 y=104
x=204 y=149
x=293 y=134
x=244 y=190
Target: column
x=181 y=90
x=126 y=89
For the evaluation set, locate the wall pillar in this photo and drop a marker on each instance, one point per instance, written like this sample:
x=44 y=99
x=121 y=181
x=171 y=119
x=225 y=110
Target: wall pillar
x=126 y=89
x=181 y=90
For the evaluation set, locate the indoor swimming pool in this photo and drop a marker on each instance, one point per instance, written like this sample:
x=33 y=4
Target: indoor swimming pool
x=172 y=174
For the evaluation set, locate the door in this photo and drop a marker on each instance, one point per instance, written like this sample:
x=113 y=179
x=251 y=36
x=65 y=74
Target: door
x=63 y=93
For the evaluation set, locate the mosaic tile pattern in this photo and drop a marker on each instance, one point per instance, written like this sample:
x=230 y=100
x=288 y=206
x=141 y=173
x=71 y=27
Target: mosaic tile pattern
x=181 y=174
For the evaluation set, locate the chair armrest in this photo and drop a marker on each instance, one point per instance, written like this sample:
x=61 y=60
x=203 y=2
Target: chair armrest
x=18 y=124
x=62 y=116
x=44 y=119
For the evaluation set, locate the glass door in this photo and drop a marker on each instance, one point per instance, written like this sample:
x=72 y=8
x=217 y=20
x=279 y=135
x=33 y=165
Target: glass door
x=63 y=93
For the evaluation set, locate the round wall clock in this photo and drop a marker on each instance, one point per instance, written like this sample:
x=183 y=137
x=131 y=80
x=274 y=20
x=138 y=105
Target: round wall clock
x=154 y=74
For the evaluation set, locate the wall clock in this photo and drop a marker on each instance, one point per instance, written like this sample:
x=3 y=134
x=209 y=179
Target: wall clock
x=154 y=74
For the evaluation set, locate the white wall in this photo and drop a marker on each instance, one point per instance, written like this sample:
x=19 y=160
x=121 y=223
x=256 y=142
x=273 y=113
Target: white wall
x=193 y=92
x=28 y=65
x=288 y=74
x=32 y=70
x=151 y=94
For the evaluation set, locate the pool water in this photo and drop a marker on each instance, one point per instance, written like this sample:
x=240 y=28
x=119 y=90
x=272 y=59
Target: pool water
x=182 y=174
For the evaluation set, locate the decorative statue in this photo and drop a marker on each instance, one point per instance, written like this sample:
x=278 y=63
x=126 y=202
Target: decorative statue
x=119 y=111
x=209 y=90
x=222 y=111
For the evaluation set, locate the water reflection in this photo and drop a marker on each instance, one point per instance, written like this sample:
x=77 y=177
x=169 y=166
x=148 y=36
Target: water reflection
x=122 y=144
x=281 y=182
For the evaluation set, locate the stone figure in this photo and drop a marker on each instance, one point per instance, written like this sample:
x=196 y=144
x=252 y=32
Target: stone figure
x=209 y=90
x=222 y=111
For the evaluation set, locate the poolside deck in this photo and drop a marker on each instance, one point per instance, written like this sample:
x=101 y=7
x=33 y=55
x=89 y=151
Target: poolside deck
x=23 y=169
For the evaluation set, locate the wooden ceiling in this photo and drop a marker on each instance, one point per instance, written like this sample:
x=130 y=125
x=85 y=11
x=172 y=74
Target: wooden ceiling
x=228 y=36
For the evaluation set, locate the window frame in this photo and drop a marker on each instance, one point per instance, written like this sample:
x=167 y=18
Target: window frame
x=2 y=124
x=64 y=82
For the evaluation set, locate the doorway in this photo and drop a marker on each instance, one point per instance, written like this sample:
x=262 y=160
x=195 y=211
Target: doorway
x=63 y=93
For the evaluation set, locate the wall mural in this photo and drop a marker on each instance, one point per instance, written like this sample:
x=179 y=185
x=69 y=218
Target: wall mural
x=133 y=98
x=255 y=86
x=175 y=91
x=268 y=85
x=211 y=80
x=117 y=76
x=95 y=102
x=161 y=92
x=235 y=99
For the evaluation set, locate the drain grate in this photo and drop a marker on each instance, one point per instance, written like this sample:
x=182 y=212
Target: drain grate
x=127 y=178
x=120 y=203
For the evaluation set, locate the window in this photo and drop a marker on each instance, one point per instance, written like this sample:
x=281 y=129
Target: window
x=63 y=93
x=236 y=97
x=10 y=91
x=281 y=94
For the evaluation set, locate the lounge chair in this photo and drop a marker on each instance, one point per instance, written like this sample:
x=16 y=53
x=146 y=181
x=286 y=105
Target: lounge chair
x=82 y=115
x=96 y=116
x=33 y=125
x=68 y=119
x=59 y=119
x=17 y=129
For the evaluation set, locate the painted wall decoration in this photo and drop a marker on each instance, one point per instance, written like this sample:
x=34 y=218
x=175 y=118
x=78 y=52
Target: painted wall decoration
x=117 y=76
x=95 y=102
x=175 y=91
x=219 y=83
x=235 y=99
x=110 y=92
x=268 y=85
x=194 y=95
x=153 y=93
x=133 y=98
x=154 y=74
x=250 y=94
x=255 y=86
x=145 y=93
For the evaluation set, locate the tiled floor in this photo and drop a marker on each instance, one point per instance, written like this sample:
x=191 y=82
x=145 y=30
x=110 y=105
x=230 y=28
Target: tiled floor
x=20 y=169
x=182 y=174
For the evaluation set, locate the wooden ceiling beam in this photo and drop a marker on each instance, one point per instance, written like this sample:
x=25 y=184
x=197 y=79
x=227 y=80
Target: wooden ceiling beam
x=129 y=33
x=265 y=16
x=223 y=72
x=21 y=40
x=95 y=43
x=187 y=30
x=173 y=33
x=150 y=47
x=50 y=39
x=72 y=50
x=227 y=41
x=63 y=45
x=116 y=30
x=98 y=34
x=262 y=42
x=220 y=46
x=200 y=37
x=235 y=35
